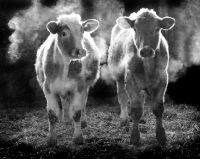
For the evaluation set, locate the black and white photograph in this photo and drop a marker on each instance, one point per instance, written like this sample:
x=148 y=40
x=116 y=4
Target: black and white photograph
x=100 y=79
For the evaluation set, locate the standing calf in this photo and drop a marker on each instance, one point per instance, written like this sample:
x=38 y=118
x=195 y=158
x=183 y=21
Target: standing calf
x=67 y=65
x=138 y=60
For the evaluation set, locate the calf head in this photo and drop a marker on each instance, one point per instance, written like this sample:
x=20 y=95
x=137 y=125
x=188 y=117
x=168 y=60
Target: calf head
x=69 y=30
x=147 y=26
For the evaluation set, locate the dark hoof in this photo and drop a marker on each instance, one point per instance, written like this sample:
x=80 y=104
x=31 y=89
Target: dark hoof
x=160 y=136
x=66 y=123
x=143 y=129
x=83 y=124
x=123 y=122
x=51 y=142
x=135 y=137
x=142 y=121
x=127 y=128
x=78 y=140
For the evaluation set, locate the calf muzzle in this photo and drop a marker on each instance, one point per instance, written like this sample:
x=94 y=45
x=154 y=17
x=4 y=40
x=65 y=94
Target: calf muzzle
x=78 y=53
x=147 y=52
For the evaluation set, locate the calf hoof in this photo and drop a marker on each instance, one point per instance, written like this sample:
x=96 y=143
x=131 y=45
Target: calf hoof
x=51 y=142
x=83 y=124
x=160 y=136
x=123 y=122
x=142 y=121
x=135 y=137
x=78 y=140
x=66 y=123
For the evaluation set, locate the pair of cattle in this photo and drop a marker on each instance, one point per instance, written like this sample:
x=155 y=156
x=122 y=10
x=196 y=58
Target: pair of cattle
x=68 y=64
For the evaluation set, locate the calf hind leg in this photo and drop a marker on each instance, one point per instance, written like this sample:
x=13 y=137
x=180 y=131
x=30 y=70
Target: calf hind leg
x=123 y=101
x=83 y=115
x=83 y=119
x=65 y=111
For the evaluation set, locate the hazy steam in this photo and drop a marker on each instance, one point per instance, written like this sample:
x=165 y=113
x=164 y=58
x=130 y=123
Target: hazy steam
x=30 y=25
x=103 y=47
x=176 y=69
x=184 y=41
x=105 y=74
x=106 y=12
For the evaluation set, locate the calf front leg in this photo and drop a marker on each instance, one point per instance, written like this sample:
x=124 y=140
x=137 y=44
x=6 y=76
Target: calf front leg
x=123 y=101
x=76 y=109
x=137 y=99
x=158 y=109
x=136 y=114
x=53 y=112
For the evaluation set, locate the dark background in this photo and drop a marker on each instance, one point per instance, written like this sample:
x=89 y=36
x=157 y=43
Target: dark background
x=184 y=90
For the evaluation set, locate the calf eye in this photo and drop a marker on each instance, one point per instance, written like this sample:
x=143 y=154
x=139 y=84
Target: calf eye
x=64 y=33
x=157 y=30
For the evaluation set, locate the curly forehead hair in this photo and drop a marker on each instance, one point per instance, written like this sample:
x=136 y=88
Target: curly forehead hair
x=72 y=17
x=146 y=13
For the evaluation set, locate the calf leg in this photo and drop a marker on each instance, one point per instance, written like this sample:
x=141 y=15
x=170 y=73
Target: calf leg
x=158 y=109
x=137 y=99
x=53 y=112
x=136 y=114
x=83 y=115
x=83 y=119
x=65 y=111
x=123 y=101
x=76 y=109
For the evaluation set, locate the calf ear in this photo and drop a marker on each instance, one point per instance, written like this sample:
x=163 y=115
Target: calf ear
x=52 y=27
x=167 y=23
x=125 y=22
x=90 y=25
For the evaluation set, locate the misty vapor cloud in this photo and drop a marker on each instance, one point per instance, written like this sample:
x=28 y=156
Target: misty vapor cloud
x=30 y=30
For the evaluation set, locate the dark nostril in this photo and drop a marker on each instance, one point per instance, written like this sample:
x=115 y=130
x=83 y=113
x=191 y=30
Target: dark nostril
x=143 y=53
x=77 y=52
x=147 y=52
x=151 y=52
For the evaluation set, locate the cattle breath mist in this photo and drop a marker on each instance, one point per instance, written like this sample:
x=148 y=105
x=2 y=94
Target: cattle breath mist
x=29 y=28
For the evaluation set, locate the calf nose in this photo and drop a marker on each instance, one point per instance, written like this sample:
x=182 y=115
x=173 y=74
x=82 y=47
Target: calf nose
x=77 y=52
x=83 y=52
x=147 y=52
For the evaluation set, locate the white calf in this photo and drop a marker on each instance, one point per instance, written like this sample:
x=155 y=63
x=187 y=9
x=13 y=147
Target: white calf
x=67 y=65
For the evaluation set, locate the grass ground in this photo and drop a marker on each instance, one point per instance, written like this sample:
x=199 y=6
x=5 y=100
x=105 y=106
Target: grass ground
x=24 y=130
